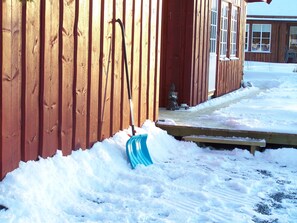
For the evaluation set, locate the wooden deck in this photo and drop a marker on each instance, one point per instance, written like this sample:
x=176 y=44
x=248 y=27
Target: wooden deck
x=242 y=141
x=271 y=138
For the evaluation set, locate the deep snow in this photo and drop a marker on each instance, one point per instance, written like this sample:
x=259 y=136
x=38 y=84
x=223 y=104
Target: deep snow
x=186 y=183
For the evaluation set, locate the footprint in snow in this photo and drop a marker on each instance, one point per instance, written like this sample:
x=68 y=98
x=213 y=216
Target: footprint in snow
x=265 y=173
x=2 y=207
x=98 y=201
x=283 y=182
x=257 y=220
x=164 y=214
x=263 y=208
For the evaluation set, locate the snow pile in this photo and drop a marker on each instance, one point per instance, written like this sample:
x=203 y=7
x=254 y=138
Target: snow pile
x=185 y=184
x=225 y=99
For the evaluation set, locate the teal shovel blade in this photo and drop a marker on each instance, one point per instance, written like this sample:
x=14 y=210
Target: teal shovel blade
x=137 y=151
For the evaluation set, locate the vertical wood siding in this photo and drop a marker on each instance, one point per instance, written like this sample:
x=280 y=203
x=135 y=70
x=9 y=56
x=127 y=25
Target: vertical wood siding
x=63 y=84
x=49 y=84
x=185 y=50
x=229 y=73
x=10 y=85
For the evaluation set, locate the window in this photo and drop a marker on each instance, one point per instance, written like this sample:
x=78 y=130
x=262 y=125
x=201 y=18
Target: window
x=247 y=37
x=224 y=30
x=261 y=35
x=236 y=2
x=293 y=38
x=213 y=27
x=234 y=25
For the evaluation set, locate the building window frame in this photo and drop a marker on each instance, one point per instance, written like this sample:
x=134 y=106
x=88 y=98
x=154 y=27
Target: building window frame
x=261 y=38
x=293 y=37
x=224 y=30
x=247 y=37
x=234 y=31
x=213 y=27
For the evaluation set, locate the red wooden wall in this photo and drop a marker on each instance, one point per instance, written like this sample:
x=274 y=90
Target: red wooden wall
x=230 y=72
x=63 y=84
x=185 y=50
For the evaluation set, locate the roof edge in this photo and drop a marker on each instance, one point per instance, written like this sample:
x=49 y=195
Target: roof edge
x=269 y=18
x=252 y=1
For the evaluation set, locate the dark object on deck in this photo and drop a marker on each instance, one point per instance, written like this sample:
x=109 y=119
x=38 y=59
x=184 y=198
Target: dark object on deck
x=185 y=106
x=136 y=147
x=172 y=99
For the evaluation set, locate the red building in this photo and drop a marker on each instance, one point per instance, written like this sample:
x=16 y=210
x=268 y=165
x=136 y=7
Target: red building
x=202 y=48
x=61 y=64
x=271 y=32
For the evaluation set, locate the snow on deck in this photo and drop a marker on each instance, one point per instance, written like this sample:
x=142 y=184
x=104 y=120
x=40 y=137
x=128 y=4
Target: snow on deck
x=269 y=105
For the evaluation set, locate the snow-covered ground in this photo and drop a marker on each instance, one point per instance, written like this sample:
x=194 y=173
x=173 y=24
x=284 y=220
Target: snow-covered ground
x=270 y=105
x=186 y=183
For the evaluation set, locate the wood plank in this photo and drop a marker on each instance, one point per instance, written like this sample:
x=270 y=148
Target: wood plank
x=206 y=50
x=10 y=86
x=189 y=52
x=226 y=140
x=253 y=143
x=282 y=42
x=182 y=53
x=142 y=109
x=66 y=88
x=128 y=22
x=117 y=71
x=152 y=59
x=31 y=82
x=287 y=139
x=202 y=59
x=164 y=54
x=196 y=51
x=174 y=46
x=94 y=112
x=50 y=80
x=105 y=78
x=158 y=58
x=1 y=100
x=218 y=70
x=135 y=74
x=81 y=38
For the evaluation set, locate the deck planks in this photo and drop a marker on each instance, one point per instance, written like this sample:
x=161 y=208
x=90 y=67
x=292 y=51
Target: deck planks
x=275 y=138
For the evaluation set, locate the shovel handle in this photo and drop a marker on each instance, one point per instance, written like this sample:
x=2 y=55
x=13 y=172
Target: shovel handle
x=127 y=74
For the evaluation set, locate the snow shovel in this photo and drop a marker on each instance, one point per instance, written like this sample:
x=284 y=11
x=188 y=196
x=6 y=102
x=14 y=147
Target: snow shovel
x=136 y=147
